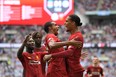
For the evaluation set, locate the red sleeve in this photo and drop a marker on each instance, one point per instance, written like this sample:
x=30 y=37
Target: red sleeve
x=48 y=38
x=43 y=63
x=88 y=70
x=41 y=53
x=65 y=53
x=51 y=37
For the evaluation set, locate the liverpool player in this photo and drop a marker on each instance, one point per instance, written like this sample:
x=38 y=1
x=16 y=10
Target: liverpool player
x=29 y=59
x=37 y=37
x=95 y=70
x=73 y=53
x=56 y=67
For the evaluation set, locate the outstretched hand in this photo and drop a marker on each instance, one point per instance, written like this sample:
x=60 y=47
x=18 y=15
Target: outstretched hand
x=84 y=55
x=47 y=57
x=77 y=44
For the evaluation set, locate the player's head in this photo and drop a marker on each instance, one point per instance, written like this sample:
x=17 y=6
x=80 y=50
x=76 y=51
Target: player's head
x=51 y=27
x=37 y=37
x=95 y=60
x=72 y=22
x=30 y=44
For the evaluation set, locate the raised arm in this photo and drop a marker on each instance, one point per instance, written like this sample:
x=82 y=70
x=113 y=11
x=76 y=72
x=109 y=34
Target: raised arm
x=21 y=49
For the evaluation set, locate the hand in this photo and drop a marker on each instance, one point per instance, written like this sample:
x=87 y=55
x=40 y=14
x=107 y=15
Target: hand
x=89 y=75
x=47 y=57
x=75 y=43
x=84 y=55
x=26 y=39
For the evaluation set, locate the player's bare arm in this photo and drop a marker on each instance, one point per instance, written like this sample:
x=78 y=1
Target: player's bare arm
x=47 y=57
x=75 y=43
x=21 y=49
x=53 y=44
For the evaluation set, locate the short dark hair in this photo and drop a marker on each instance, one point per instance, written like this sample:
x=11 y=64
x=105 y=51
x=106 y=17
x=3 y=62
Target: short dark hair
x=76 y=19
x=35 y=34
x=47 y=25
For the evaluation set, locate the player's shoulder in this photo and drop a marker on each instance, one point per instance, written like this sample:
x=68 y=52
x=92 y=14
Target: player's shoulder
x=25 y=54
x=48 y=35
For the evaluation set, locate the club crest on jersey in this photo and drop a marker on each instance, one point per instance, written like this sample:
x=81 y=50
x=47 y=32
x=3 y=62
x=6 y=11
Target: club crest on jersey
x=34 y=62
x=29 y=57
x=37 y=57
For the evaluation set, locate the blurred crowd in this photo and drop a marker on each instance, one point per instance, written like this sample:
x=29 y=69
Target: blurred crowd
x=92 y=5
x=103 y=32
x=95 y=32
x=107 y=60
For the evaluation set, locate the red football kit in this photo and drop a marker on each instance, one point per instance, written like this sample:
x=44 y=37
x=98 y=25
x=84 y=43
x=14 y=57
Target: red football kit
x=42 y=51
x=95 y=71
x=73 y=55
x=56 y=66
x=32 y=64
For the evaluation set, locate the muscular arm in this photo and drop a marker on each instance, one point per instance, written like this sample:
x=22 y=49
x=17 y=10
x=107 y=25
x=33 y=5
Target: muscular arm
x=53 y=44
x=65 y=53
x=21 y=49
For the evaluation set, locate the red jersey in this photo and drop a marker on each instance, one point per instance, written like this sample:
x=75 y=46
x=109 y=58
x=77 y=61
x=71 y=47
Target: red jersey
x=73 y=55
x=42 y=51
x=95 y=71
x=31 y=64
x=56 y=67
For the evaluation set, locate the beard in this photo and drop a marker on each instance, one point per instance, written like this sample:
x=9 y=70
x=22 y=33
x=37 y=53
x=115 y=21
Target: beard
x=67 y=30
x=38 y=43
x=31 y=47
x=55 y=34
